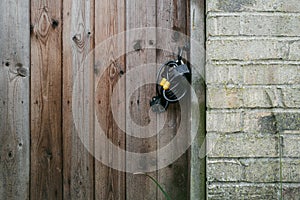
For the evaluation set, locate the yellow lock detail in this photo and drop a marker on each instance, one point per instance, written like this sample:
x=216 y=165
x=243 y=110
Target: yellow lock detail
x=162 y=82
x=167 y=85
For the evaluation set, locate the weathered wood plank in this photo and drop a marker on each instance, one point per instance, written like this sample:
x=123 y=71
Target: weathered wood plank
x=197 y=57
x=46 y=133
x=140 y=14
x=109 y=20
x=14 y=99
x=78 y=41
x=172 y=15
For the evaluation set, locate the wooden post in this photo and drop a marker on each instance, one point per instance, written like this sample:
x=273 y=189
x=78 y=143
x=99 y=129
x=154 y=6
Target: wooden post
x=197 y=57
x=140 y=14
x=173 y=15
x=14 y=99
x=78 y=41
x=109 y=21
x=46 y=96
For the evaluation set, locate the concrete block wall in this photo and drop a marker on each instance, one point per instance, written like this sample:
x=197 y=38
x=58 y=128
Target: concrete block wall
x=253 y=99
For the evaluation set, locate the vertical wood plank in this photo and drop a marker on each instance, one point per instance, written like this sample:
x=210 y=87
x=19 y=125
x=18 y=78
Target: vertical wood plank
x=197 y=153
x=140 y=14
x=172 y=15
x=78 y=35
x=46 y=137
x=109 y=21
x=14 y=99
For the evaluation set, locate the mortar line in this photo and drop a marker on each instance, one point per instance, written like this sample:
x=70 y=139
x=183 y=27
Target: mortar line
x=252 y=13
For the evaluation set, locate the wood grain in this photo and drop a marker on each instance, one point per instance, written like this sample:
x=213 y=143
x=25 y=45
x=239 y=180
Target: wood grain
x=56 y=43
x=14 y=99
x=172 y=15
x=109 y=69
x=140 y=14
x=46 y=121
x=78 y=41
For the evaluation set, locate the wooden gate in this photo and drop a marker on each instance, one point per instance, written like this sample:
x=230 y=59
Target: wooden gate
x=44 y=44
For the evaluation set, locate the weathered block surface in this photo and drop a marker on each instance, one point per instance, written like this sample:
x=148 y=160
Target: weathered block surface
x=280 y=123
x=245 y=49
x=248 y=49
x=253 y=92
x=253 y=74
x=241 y=145
x=254 y=170
x=291 y=191
x=253 y=5
x=291 y=146
x=253 y=97
x=224 y=121
x=224 y=170
x=242 y=191
x=254 y=121
x=253 y=25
